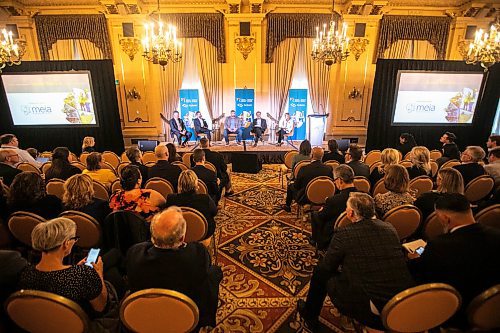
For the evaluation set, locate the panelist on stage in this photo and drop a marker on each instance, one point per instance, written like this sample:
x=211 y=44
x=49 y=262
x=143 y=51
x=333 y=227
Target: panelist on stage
x=178 y=129
x=259 y=127
x=201 y=126
x=285 y=127
x=232 y=125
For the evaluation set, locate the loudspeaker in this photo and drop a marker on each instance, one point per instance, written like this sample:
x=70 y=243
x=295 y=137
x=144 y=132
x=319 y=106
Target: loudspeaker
x=128 y=29
x=13 y=28
x=244 y=28
x=245 y=162
x=359 y=30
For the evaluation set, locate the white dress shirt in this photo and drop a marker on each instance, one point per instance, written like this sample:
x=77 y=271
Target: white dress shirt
x=287 y=125
x=24 y=156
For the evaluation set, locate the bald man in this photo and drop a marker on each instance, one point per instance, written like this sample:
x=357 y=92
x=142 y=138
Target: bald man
x=168 y=262
x=297 y=189
x=8 y=160
x=163 y=168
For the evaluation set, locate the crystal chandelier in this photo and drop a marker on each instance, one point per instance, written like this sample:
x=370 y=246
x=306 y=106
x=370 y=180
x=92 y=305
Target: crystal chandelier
x=160 y=46
x=331 y=47
x=9 y=50
x=486 y=47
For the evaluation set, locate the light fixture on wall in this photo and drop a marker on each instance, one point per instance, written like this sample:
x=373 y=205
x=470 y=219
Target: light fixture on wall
x=160 y=46
x=485 y=49
x=331 y=46
x=130 y=46
x=10 y=51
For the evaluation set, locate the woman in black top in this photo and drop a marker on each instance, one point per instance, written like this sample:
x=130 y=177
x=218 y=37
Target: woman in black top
x=134 y=156
x=333 y=154
x=61 y=167
x=172 y=153
x=406 y=143
x=420 y=159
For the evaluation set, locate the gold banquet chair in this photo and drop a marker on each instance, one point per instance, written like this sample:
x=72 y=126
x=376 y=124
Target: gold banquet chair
x=83 y=158
x=372 y=157
x=341 y=221
x=434 y=168
x=379 y=187
x=120 y=167
x=79 y=165
x=26 y=167
x=421 y=184
x=202 y=187
x=45 y=166
x=287 y=167
x=186 y=159
x=196 y=224
x=299 y=166
x=406 y=163
x=374 y=165
x=116 y=186
x=181 y=165
x=362 y=184
x=405 y=219
x=435 y=154
x=87 y=228
x=111 y=158
x=100 y=190
x=483 y=311
x=210 y=167
x=317 y=191
x=55 y=186
x=489 y=216
x=21 y=225
x=450 y=164
x=433 y=227
x=479 y=188
x=159 y=310
x=160 y=185
x=149 y=156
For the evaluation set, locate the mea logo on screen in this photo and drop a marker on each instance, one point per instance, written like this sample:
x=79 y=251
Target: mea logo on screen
x=36 y=109
x=417 y=107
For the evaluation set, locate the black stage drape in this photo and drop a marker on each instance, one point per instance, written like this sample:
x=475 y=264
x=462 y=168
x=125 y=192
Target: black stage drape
x=382 y=135
x=108 y=135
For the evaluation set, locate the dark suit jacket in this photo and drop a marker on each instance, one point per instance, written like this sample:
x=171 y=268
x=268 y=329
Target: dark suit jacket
x=334 y=156
x=166 y=171
x=198 y=126
x=12 y=265
x=174 y=128
x=466 y=259
x=308 y=173
x=415 y=172
x=451 y=151
x=144 y=170
x=360 y=168
x=66 y=171
x=98 y=209
x=263 y=124
x=209 y=178
x=426 y=202
x=218 y=160
x=48 y=207
x=470 y=171
x=8 y=173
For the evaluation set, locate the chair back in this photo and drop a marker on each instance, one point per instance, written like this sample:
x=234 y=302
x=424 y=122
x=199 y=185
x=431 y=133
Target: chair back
x=149 y=156
x=483 y=311
x=186 y=159
x=210 y=166
x=154 y=310
x=434 y=168
x=341 y=221
x=489 y=216
x=181 y=165
x=79 y=165
x=45 y=166
x=372 y=157
x=405 y=219
x=149 y=164
x=106 y=165
x=202 y=187
x=362 y=184
x=479 y=188
x=160 y=185
x=407 y=156
x=435 y=154
x=55 y=186
x=379 y=187
x=421 y=308
x=111 y=158
x=120 y=167
x=319 y=189
x=299 y=166
x=288 y=158
x=116 y=185
x=87 y=228
x=450 y=164
x=332 y=163
x=21 y=225
x=83 y=158
x=46 y=154
x=196 y=225
x=124 y=158
x=375 y=165
x=42 y=312
x=25 y=166
x=433 y=227
x=100 y=190
x=406 y=163
x=122 y=229
x=420 y=185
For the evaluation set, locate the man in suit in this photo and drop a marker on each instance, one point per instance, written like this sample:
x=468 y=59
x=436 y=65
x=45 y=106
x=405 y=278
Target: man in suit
x=470 y=167
x=8 y=160
x=359 y=168
x=322 y=222
x=206 y=175
x=218 y=160
x=232 y=125
x=201 y=126
x=465 y=257
x=259 y=127
x=163 y=168
x=178 y=129
x=450 y=149
x=315 y=169
x=362 y=270
x=168 y=262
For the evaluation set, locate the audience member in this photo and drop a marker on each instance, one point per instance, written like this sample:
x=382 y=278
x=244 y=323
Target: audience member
x=420 y=160
x=33 y=152
x=388 y=157
x=322 y=222
x=304 y=153
x=470 y=167
x=61 y=167
x=206 y=175
x=134 y=155
x=396 y=182
x=172 y=153
x=333 y=154
x=8 y=161
x=79 y=195
x=316 y=168
x=465 y=257
x=493 y=142
x=12 y=265
x=232 y=125
x=97 y=172
x=163 y=168
x=10 y=141
x=178 y=129
x=450 y=149
x=88 y=145
x=168 y=262
x=218 y=160
x=493 y=168
x=144 y=202
x=448 y=180
x=27 y=193
x=406 y=143
x=363 y=268
x=359 y=168
x=201 y=126
x=187 y=197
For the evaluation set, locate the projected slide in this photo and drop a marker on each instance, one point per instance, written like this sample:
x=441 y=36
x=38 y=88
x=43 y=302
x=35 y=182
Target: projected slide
x=56 y=99
x=429 y=98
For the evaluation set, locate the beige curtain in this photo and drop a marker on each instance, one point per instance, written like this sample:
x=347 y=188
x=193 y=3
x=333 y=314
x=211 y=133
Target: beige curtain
x=411 y=49
x=87 y=50
x=63 y=49
x=281 y=71
x=318 y=78
x=74 y=49
x=210 y=73
x=170 y=83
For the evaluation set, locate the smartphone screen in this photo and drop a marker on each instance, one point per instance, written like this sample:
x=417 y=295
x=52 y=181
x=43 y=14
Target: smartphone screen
x=92 y=257
x=420 y=250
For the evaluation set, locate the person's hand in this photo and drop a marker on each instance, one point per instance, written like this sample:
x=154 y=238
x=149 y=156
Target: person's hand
x=99 y=267
x=81 y=262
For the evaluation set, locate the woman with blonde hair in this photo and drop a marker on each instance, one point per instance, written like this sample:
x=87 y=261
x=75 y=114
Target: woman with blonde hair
x=79 y=195
x=420 y=160
x=97 y=172
x=396 y=181
x=88 y=144
x=389 y=156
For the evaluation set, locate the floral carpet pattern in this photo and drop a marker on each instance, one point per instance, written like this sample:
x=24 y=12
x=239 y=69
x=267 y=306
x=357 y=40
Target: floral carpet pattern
x=266 y=259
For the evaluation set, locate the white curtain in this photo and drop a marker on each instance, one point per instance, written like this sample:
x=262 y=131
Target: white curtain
x=74 y=49
x=210 y=75
x=171 y=82
x=318 y=78
x=411 y=49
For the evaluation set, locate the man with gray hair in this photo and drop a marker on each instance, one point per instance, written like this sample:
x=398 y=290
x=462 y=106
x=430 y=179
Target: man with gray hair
x=362 y=270
x=168 y=262
x=470 y=167
x=322 y=222
x=8 y=160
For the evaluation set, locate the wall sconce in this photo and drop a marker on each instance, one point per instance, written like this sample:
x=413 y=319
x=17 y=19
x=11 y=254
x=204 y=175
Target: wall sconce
x=130 y=46
x=357 y=46
x=133 y=94
x=245 y=45
x=463 y=47
x=354 y=94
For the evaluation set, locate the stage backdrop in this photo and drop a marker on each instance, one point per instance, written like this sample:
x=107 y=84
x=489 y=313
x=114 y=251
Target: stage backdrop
x=190 y=103
x=244 y=101
x=382 y=135
x=108 y=135
x=297 y=108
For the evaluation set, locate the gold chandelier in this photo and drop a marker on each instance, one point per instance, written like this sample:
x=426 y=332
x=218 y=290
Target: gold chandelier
x=160 y=46
x=9 y=50
x=485 y=48
x=331 y=46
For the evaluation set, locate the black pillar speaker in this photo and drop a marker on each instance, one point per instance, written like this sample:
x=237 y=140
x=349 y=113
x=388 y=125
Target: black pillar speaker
x=245 y=162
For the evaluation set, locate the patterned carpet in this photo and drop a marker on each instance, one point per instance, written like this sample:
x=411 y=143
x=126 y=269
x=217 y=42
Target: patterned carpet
x=266 y=259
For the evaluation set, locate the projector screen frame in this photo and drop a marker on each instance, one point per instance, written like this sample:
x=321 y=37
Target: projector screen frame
x=73 y=71
x=396 y=95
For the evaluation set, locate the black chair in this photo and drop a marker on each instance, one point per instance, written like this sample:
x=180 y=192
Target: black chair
x=122 y=229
